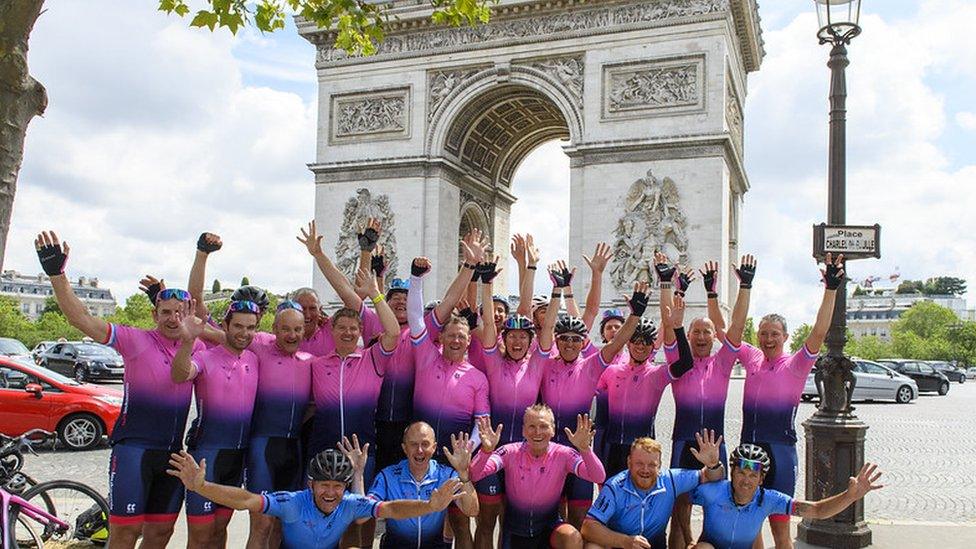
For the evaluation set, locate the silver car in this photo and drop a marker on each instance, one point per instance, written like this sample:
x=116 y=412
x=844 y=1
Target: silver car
x=874 y=382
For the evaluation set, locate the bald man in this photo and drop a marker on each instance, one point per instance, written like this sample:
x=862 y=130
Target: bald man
x=415 y=478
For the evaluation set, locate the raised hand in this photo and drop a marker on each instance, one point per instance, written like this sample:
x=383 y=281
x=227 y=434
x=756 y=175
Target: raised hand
x=369 y=236
x=707 y=452
x=465 y=311
x=582 y=437
x=865 y=481
x=710 y=278
x=638 y=301
x=665 y=270
x=366 y=284
x=682 y=281
x=560 y=274
x=676 y=312
x=190 y=325
x=517 y=249
x=460 y=456
x=209 y=242
x=833 y=275
x=531 y=252
x=420 y=266
x=443 y=496
x=185 y=468
x=377 y=262
x=52 y=254
x=311 y=239
x=487 y=270
x=152 y=286
x=354 y=453
x=601 y=256
x=746 y=271
x=489 y=436
x=473 y=245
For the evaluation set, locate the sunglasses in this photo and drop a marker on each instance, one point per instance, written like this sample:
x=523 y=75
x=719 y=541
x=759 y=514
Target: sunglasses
x=642 y=340
x=570 y=338
x=750 y=465
x=514 y=323
x=242 y=307
x=288 y=304
x=173 y=293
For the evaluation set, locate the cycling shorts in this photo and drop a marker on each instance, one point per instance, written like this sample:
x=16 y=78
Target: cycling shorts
x=140 y=490
x=274 y=464
x=223 y=467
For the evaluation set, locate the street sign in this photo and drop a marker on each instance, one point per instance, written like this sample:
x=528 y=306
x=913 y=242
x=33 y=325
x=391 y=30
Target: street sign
x=854 y=241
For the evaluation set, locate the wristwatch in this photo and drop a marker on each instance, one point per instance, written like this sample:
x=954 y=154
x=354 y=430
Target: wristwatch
x=716 y=467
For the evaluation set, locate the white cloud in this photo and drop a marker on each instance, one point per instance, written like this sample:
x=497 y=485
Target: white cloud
x=966 y=120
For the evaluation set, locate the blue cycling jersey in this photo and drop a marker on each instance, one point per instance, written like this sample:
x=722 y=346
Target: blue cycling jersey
x=304 y=525
x=396 y=482
x=624 y=508
x=731 y=526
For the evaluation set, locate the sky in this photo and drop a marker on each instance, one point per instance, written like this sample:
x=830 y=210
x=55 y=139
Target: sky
x=156 y=132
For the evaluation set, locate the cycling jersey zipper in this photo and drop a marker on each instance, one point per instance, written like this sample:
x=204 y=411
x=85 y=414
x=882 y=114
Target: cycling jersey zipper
x=342 y=405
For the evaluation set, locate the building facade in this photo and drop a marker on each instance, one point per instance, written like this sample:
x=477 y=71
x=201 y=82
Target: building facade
x=32 y=291
x=874 y=313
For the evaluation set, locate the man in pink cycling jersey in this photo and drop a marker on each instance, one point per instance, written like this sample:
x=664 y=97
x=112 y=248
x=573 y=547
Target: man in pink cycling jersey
x=630 y=392
x=535 y=471
x=144 y=500
x=700 y=394
x=449 y=393
x=774 y=383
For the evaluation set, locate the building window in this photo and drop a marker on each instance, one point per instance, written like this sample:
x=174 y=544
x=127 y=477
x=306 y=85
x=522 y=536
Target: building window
x=25 y=307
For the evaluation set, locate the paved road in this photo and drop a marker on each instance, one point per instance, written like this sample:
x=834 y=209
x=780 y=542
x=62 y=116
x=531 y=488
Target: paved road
x=926 y=449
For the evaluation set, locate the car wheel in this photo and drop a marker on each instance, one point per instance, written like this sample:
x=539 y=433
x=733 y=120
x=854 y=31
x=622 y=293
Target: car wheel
x=81 y=376
x=944 y=388
x=903 y=395
x=962 y=380
x=80 y=431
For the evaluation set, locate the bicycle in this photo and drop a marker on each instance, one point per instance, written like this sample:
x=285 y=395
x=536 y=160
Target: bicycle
x=23 y=534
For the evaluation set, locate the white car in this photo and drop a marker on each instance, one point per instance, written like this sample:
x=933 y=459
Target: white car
x=971 y=372
x=874 y=382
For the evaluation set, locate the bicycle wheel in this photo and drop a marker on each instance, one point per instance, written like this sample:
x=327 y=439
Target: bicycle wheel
x=77 y=504
x=25 y=533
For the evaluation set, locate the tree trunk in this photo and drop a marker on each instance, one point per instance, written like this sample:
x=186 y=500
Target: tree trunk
x=21 y=99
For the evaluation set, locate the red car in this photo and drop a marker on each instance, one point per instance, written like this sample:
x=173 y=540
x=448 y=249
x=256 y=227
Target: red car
x=33 y=397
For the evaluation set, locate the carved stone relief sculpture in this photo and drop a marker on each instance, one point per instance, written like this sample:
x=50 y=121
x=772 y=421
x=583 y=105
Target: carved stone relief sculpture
x=652 y=220
x=359 y=209
x=665 y=85
x=381 y=114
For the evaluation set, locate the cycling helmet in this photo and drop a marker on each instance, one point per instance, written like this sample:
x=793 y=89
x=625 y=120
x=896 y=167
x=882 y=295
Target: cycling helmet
x=611 y=314
x=539 y=301
x=502 y=300
x=566 y=324
x=750 y=452
x=398 y=285
x=431 y=305
x=92 y=525
x=645 y=331
x=516 y=321
x=251 y=293
x=330 y=465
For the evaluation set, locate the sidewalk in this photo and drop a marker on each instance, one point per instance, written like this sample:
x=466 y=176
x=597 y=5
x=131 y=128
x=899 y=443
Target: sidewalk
x=885 y=534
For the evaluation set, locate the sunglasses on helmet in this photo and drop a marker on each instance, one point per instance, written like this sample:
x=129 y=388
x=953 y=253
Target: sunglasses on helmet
x=242 y=307
x=750 y=465
x=612 y=313
x=289 y=304
x=517 y=323
x=399 y=284
x=173 y=293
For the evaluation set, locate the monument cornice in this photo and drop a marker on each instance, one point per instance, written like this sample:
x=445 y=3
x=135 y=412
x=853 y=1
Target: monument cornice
x=413 y=34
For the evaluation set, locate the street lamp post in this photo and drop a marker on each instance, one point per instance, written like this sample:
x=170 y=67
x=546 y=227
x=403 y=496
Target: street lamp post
x=834 y=435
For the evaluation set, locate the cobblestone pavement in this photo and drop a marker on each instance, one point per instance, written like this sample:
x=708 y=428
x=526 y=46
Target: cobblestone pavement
x=926 y=449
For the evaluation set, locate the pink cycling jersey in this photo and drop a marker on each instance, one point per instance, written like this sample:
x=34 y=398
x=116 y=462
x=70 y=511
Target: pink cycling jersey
x=154 y=409
x=513 y=387
x=323 y=343
x=284 y=391
x=567 y=387
x=772 y=393
x=534 y=485
x=631 y=393
x=396 y=395
x=699 y=395
x=225 y=385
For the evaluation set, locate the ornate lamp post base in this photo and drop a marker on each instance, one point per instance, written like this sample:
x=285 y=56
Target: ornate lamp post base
x=835 y=452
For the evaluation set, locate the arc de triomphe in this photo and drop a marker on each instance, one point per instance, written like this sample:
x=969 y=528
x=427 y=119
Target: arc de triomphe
x=648 y=95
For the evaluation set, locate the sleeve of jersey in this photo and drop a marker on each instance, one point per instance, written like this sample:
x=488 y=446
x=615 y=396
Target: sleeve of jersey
x=283 y=505
x=482 y=405
x=379 y=490
x=484 y=464
x=594 y=366
x=588 y=467
x=685 y=480
x=371 y=323
x=685 y=361
x=750 y=357
x=777 y=503
x=381 y=359
x=605 y=505
x=671 y=352
x=725 y=357
x=602 y=402
x=123 y=338
x=364 y=507
x=478 y=355
x=415 y=307
x=802 y=361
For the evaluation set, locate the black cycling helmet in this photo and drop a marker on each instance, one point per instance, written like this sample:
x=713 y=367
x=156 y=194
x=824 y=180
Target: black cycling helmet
x=567 y=324
x=253 y=294
x=330 y=465
x=645 y=331
x=750 y=452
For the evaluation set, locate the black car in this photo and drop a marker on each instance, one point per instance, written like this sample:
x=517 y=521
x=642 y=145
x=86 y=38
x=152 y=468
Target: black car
x=83 y=360
x=926 y=377
x=948 y=370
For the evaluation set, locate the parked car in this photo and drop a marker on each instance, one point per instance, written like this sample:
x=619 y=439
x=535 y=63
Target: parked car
x=874 y=382
x=927 y=378
x=948 y=370
x=13 y=347
x=85 y=361
x=39 y=349
x=971 y=372
x=33 y=397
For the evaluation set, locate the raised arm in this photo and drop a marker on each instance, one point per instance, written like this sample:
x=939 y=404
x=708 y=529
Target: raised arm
x=597 y=264
x=53 y=255
x=638 y=304
x=391 y=328
x=415 y=296
x=582 y=438
x=833 y=275
x=559 y=285
x=367 y=238
x=709 y=275
x=343 y=288
x=562 y=278
x=357 y=456
x=527 y=269
x=206 y=244
x=459 y=456
x=185 y=468
x=191 y=326
x=745 y=272
x=400 y=509
x=489 y=336
x=665 y=273
x=708 y=454
x=474 y=252
x=857 y=488
x=675 y=319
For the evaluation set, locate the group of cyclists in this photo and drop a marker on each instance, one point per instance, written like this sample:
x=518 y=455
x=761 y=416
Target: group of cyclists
x=429 y=414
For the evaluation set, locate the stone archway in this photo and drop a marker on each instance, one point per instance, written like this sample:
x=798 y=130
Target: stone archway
x=647 y=94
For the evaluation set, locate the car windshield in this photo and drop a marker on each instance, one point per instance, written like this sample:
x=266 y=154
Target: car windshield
x=29 y=367
x=12 y=347
x=96 y=350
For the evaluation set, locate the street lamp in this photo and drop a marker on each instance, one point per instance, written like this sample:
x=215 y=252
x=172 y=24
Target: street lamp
x=834 y=435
